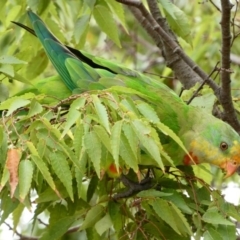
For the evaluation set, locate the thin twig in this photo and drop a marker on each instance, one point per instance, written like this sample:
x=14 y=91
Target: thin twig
x=202 y=84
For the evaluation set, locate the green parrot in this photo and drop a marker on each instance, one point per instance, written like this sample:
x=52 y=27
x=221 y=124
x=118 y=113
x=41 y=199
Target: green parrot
x=206 y=138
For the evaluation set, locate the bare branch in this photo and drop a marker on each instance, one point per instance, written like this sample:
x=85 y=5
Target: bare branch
x=229 y=114
x=175 y=48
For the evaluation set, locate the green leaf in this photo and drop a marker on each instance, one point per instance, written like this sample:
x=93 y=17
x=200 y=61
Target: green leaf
x=117 y=8
x=57 y=229
x=165 y=212
x=4 y=177
x=167 y=131
x=115 y=141
x=132 y=137
x=93 y=216
x=94 y=149
x=7 y=206
x=148 y=112
x=12 y=101
x=212 y=234
x=73 y=114
x=7 y=69
x=18 y=103
x=17 y=214
x=103 y=136
x=35 y=108
x=25 y=178
x=183 y=225
x=62 y=170
x=212 y=216
x=101 y=112
x=103 y=224
x=127 y=154
x=4 y=92
x=42 y=167
x=143 y=131
x=177 y=19
x=227 y=232
x=11 y=60
x=78 y=140
x=92 y=187
x=152 y=193
x=104 y=18
x=177 y=198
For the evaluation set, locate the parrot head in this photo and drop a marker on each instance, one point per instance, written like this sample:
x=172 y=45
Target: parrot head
x=217 y=143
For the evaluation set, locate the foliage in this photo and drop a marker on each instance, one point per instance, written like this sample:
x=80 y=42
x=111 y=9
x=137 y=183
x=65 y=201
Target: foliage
x=56 y=151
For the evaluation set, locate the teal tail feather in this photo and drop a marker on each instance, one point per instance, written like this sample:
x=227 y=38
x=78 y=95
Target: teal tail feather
x=73 y=72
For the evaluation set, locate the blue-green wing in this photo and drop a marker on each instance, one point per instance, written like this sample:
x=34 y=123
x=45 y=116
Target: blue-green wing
x=73 y=72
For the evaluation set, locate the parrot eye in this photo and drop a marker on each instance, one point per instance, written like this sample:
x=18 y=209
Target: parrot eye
x=223 y=146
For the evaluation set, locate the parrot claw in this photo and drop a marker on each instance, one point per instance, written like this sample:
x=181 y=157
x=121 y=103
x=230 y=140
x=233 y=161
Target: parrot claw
x=133 y=187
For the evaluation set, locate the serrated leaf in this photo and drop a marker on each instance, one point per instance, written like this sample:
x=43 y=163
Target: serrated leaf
x=104 y=19
x=78 y=140
x=127 y=154
x=7 y=104
x=57 y=229
x=101 y=112
x=164 y=211
x=93 y=216
x=115 y=141
x=35 y=108
x=25 y=178
x=118 y=9
x=177 y=20
x=42 y=167
x=83 y=158
x=103 y=136
x=167 y=131
x=148 y=112
x=212 y=216
x=73 y=114
x=143 y=132
x=94 y=149
x=182 y=221
x=169 y=213
x=178 y=200
x=18 y=103
x=131 y=137
x=62 y=170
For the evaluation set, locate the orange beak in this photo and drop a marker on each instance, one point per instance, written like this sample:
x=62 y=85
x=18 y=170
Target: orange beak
x=230 y=168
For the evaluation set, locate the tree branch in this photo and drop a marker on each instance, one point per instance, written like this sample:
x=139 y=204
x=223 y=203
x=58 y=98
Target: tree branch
x=175 y=48
x=229 y=114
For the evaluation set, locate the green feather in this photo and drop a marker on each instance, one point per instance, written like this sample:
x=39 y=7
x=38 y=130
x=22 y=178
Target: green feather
x=201 y=133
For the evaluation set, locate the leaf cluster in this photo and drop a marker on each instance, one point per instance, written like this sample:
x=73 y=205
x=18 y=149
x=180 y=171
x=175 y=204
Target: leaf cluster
x=65 y=155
